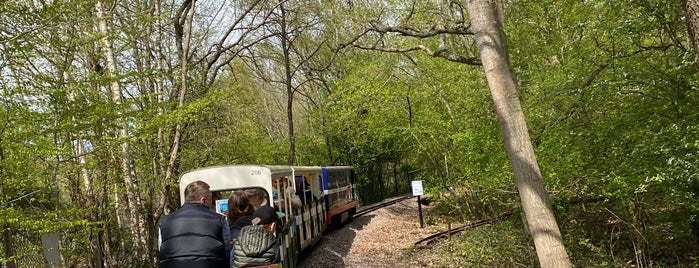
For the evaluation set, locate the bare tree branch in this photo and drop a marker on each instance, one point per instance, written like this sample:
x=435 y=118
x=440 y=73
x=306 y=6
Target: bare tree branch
x=409 y=31
x=442 y=53
x=412 y=32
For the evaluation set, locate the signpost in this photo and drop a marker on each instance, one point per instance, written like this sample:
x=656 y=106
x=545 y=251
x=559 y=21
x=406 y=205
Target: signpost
x=418 y=191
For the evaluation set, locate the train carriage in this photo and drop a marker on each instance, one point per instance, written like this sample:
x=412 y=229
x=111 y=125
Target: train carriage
x=339 y=194
x=302 y=226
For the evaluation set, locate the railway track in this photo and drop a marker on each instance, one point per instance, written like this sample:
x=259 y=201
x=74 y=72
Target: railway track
x=445 y=234
x=434 y=237
x=382 y=204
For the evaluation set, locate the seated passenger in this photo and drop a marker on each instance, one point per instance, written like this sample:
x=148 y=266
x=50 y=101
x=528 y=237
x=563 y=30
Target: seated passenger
x=256 y=244
x=283 y=190
x=258 y=197
x=240 y=212
x=303 y=190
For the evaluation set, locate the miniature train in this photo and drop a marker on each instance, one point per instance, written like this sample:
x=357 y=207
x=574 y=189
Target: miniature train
x=327 y=195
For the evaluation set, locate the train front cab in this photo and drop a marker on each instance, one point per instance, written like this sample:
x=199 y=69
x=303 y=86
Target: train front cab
x=339 y=193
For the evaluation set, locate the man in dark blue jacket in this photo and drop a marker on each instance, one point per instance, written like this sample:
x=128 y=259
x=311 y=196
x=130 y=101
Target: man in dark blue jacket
x=194 y=235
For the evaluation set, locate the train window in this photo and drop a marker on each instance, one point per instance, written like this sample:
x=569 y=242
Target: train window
x=303 y=189
x=275 y=189
x=258 y=197
x=284 y=195
x=220 y=201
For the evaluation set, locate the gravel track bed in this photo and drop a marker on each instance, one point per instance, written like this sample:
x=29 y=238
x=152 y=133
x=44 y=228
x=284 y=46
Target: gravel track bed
x=380 y=238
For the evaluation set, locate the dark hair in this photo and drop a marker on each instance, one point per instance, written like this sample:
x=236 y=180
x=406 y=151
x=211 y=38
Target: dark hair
x=238 y=205
x=265 y=215
x=196 y=190
x=259 y=195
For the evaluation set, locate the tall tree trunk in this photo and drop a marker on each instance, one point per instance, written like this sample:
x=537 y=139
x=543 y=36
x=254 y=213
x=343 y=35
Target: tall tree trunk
x=284 y=35
x=88 y=196
x=105 y=234
x=7 y=239
x=691 y=11
x=159 y=69
x=136 y=223
x=158 y=192
x=95 y=251
x=9 y=246
x=6 y=234
x=492 y=46
x=183 y=38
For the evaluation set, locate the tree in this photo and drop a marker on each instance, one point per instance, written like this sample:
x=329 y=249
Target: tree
x=588 y=74
x=492 y=44
x=227 y=45
x=691 y=11
x=286 y=38
x=138 y=235
x=486 y=26
x=282 y=62
x=37 y=165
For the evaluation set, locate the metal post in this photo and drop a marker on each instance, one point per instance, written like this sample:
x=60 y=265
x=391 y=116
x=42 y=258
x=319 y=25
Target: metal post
x=419 y=211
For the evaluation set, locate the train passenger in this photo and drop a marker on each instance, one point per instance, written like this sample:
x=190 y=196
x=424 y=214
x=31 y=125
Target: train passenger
x=257 y=244
x=194 y=235
x=303 y=190
x=258 y=197
x=282 y=187
x=240 y=212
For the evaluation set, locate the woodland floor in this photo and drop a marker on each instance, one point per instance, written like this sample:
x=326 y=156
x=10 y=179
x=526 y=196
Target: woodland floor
x=382 y=238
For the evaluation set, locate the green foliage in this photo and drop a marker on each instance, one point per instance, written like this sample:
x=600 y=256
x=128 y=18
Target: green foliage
x=608 y=90
x=231 y=129
x=429 y=116
x=31 y=221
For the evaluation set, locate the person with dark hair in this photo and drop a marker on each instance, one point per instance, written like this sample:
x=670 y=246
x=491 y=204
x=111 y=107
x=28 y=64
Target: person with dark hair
x=283 y=189
x=257 y=244
x=195 y=235
x=258 y=197
x=239 y=212
x=303 y=190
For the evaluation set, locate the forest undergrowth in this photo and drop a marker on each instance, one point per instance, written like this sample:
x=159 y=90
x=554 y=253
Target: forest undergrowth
x=595 y=236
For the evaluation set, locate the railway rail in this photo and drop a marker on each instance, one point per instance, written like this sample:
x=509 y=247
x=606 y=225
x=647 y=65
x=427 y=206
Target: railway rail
x=434 y=237
x=364 y=241
x=382 y=204
x=447 y=233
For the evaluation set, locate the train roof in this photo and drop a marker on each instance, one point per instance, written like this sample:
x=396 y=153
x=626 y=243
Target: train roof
x=337 y=167
x=222 y=178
